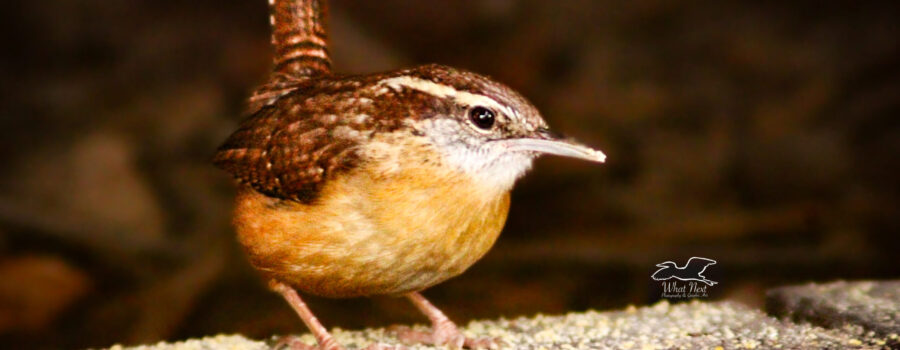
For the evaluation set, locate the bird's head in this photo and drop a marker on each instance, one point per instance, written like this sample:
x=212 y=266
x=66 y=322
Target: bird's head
x=482 y=127
x=667 y=264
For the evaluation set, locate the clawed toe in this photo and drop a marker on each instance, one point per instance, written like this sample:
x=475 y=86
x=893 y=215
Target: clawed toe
x=483 y=343
x=451 y=338
x=291 y=342
x=379 y=346
x=410 y=336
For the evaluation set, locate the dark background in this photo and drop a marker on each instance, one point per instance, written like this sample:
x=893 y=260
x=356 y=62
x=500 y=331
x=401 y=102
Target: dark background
x=762 y=134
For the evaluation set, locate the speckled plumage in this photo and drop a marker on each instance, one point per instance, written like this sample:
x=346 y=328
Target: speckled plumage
x=292 y=144
x=357 y=185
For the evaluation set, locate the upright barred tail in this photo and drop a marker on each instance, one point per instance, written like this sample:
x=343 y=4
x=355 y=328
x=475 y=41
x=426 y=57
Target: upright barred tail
x=298 y=34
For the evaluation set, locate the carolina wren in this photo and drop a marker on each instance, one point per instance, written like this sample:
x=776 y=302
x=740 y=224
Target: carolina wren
x=358 y=185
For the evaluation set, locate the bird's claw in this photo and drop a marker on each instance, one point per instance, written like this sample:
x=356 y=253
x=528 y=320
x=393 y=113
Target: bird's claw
x=446 y=336
x=380 y=346
x=292 y=342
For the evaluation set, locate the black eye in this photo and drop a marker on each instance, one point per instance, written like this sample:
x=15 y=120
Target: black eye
x=482 y=117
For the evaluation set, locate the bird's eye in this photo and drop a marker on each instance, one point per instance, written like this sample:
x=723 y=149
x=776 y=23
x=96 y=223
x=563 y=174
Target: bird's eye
x=482 y=117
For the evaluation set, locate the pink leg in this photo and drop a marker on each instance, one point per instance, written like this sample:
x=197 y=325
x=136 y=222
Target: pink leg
x=326 y=342
x=443 y=331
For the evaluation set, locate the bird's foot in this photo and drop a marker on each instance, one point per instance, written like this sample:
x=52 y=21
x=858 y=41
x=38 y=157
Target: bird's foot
x=291 y=342
x=445 y=334
x=380 y=346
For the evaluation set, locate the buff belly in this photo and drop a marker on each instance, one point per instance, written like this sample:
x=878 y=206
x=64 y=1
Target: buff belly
x=369 y=233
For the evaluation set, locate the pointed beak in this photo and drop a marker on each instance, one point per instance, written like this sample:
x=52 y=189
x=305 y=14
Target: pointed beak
x=546 y=142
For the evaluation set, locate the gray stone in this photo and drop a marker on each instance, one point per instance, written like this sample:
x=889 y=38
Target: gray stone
x=694 y=325
x=874 y=306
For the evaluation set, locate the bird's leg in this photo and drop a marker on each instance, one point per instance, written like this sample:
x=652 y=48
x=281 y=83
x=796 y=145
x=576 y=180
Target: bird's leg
x=325 y=340
x=443 y=331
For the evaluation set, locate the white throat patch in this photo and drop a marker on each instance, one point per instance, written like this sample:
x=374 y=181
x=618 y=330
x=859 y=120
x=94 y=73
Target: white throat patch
x=490 y=165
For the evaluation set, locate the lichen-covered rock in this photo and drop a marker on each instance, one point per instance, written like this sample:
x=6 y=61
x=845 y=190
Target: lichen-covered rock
x=872 y=305
x=695 y=325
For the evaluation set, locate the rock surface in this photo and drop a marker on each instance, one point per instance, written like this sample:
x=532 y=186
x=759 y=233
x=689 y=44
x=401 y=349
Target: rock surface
x=874 y=306
x=693 y=325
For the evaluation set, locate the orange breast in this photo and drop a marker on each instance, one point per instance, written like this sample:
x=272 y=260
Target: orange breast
x=375 y=230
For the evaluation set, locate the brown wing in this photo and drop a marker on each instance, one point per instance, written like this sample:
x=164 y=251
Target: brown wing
x=286 y=152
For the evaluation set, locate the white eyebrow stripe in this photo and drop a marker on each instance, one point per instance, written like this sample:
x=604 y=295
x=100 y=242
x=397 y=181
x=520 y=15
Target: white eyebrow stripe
x=440 y=90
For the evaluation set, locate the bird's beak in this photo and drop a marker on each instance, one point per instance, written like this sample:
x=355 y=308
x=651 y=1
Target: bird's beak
x=546 y=142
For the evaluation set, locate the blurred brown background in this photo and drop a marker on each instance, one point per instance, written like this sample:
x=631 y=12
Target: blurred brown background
x=762 y=134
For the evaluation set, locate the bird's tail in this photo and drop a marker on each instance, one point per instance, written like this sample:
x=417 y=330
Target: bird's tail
x=298 y=34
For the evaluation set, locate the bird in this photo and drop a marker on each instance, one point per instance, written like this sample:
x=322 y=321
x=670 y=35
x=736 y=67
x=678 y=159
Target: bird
x=376 y=184
x=692 y=270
